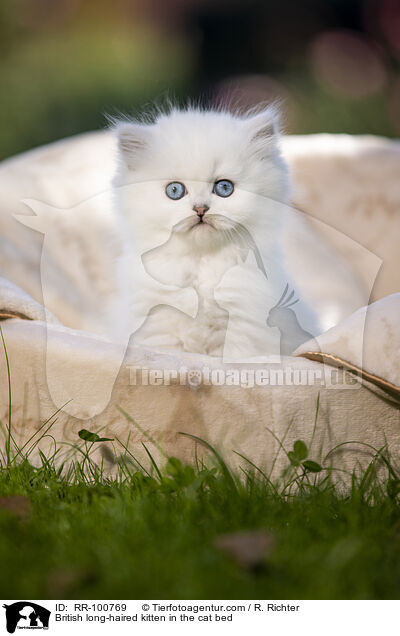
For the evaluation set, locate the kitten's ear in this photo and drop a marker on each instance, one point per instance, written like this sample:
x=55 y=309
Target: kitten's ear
x=132 y=141
x=264 y=126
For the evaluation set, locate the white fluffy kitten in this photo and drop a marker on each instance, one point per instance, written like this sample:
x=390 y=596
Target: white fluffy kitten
x=197 y=192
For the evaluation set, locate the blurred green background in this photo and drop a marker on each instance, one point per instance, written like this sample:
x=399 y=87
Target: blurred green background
x=64 y=64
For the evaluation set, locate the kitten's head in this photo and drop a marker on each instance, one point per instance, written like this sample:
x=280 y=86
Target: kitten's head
x=200 y=174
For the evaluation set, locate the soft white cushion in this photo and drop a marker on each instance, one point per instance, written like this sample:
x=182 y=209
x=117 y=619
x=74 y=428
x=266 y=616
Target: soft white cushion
x=352 y=184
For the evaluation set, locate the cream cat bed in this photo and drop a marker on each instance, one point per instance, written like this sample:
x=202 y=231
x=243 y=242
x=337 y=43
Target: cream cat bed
x=59 y=359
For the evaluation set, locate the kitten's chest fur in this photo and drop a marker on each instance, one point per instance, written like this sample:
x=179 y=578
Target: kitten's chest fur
x=207 y=332
x=170 y=328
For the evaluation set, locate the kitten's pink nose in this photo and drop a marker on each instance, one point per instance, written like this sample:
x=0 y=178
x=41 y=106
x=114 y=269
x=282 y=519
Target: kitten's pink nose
x=200 y=210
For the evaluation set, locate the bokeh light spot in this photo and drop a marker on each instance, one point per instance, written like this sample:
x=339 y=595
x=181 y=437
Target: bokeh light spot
x=347 y=64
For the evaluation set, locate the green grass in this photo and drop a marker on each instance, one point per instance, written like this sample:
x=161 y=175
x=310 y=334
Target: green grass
x=157 y=535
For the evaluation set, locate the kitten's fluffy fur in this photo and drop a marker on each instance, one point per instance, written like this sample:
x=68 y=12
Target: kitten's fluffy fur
x=164 y=243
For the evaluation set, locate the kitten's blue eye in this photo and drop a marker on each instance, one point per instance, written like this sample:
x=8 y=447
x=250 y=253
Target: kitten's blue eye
x=223 y=188
x=175 y=190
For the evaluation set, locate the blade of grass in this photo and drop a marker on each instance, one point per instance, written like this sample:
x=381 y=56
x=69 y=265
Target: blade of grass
x=315 y=421
x=258 y=469
x=152 y=461
x=8 y=441
x=139 y=428
x=225 y=471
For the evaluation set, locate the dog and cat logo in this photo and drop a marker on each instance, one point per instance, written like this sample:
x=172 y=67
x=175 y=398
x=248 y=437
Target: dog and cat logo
x=26 y=615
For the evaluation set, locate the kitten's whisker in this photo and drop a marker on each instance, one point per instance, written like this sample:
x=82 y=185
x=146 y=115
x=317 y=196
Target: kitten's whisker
x=251 y=244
